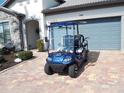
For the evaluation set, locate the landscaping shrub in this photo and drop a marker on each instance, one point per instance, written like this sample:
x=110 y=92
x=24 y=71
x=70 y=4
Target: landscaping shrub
x=24 y=55
x=40 y=45
x=1 y=51
x=2 y=60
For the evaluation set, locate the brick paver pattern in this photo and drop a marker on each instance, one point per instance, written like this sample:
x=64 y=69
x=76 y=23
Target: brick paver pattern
x=105 y=75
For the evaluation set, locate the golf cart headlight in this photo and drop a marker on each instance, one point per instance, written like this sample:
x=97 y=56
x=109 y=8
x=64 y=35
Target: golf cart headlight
x=71 y=51
x=67 y=59
x=49 y=59
x=79 y=50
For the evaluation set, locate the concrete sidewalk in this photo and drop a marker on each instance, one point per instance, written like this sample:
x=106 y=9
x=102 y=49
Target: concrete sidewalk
x=103 y=74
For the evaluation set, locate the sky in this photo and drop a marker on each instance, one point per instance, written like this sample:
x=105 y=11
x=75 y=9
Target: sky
x=1 y=1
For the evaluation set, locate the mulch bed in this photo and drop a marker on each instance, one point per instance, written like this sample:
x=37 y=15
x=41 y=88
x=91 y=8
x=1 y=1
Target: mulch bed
x=9 y=61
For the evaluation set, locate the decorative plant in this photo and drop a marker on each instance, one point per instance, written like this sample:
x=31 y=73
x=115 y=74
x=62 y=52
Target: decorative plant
x=2 y=60
x=1 y=51
x=24 y=55
x=40 y=45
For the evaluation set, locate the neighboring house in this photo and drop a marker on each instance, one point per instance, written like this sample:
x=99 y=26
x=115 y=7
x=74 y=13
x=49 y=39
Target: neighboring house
x=100 y=20
x=11 y=27
x=34 y=21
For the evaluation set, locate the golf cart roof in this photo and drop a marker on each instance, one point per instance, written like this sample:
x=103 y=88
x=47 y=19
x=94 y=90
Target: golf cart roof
x=62 y=24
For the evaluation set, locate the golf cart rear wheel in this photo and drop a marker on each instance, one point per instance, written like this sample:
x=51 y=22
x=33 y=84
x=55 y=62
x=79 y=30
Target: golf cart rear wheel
x=73 y=71
x=48 y=70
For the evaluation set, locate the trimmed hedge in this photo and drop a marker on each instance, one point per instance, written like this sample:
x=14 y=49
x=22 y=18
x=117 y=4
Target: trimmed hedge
x=1 y=51
x=24 y=55
x=40 y=45
x=2 y=60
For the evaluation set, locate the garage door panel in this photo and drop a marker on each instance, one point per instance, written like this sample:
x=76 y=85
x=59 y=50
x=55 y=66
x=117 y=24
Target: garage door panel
x=103 y=35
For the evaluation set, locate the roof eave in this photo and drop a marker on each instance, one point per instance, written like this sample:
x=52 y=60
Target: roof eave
x=63 y=9
x=20 y=15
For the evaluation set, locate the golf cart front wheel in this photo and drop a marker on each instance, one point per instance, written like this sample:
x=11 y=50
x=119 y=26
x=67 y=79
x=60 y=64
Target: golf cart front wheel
x=48 y=70
x=73 y=71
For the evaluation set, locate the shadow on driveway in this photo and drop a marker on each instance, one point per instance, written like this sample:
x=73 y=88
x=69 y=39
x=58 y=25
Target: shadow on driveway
x=92 y=58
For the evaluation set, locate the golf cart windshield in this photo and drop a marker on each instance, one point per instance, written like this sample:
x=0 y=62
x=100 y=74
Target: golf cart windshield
x=66 y=44
x=62 y=36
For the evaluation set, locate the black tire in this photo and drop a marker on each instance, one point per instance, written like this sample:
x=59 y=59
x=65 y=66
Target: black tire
x=86 y=56
x=48 y=70
x=73 y=71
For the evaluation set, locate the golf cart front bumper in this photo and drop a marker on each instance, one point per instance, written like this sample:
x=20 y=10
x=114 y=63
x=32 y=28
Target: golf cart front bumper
x=58 y=68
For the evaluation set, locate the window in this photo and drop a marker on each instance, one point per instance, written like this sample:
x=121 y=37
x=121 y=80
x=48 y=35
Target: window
x=4 y=32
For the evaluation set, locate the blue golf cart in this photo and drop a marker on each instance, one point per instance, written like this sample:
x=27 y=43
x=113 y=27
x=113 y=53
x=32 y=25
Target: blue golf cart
x=71 y=54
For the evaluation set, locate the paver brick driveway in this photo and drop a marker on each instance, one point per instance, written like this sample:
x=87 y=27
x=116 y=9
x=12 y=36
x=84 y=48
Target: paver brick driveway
x=103 y=74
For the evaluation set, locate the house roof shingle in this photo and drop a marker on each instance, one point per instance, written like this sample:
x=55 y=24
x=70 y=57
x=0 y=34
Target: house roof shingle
x=74 y=4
